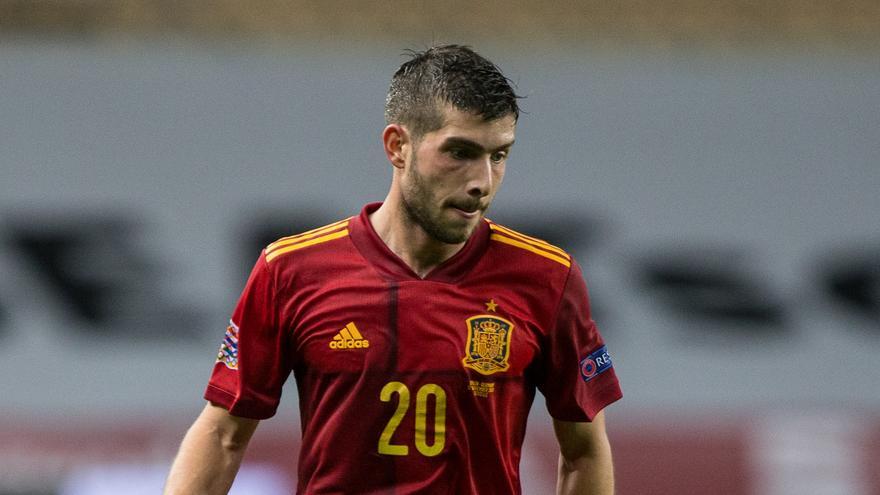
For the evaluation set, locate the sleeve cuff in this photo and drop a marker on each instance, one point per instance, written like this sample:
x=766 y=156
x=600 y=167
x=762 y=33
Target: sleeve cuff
x=605 y=397
x=237 y=406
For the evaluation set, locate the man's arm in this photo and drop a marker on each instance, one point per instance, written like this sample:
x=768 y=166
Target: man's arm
x=210 y=453
x=585 y=466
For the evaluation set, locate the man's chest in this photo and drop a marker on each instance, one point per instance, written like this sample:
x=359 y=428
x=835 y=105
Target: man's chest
x=478 y=329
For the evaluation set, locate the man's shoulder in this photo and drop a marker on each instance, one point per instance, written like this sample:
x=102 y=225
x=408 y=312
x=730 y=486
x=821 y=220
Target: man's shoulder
x=536 y=253
x=318 y=240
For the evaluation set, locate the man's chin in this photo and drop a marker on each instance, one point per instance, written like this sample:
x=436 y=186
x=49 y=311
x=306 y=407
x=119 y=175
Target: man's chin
x=463 y=233
x=454 y=234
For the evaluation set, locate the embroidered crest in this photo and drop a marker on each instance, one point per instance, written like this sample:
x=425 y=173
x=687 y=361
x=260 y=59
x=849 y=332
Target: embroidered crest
x=481 y=389
x=488 y=344
x=228 y=354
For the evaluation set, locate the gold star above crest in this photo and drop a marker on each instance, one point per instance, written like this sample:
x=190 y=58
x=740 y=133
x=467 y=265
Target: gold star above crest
x=491 y=305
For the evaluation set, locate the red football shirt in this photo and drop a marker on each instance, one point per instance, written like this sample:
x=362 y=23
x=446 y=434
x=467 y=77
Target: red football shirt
x=411 y=385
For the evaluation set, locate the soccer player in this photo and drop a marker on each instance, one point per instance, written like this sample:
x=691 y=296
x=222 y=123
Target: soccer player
x=418 y=330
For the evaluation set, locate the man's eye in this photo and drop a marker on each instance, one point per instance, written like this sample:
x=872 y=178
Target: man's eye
x=499 y=156
x=459 y=154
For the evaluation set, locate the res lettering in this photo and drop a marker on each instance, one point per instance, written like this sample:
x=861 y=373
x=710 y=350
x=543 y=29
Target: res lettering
x=421 y=419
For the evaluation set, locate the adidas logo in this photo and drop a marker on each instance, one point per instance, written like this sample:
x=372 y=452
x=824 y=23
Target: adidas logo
x=349 y=338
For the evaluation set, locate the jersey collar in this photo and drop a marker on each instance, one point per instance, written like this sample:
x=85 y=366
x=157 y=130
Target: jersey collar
x=377 y=253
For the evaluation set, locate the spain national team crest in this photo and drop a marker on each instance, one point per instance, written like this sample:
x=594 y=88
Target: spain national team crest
x=488 y=344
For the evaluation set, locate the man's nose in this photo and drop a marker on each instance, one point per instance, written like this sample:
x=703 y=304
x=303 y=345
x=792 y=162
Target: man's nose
x=480 y=179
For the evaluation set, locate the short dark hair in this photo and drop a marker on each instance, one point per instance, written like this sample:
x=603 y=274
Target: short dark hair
x=451 y=74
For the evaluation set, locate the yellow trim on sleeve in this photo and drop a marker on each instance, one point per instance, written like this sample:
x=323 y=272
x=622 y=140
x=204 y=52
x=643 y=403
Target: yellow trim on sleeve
x=284 y=241
x=318 y=240
x=529 y=240
x=529 y=247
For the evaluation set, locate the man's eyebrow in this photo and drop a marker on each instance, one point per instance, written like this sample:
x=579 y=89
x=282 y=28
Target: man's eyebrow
x=467 y=143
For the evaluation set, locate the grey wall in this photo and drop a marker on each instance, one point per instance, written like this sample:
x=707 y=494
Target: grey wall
x=726 y=210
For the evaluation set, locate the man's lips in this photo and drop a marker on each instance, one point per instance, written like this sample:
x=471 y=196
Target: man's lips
x=467 y=211
x=467 y=206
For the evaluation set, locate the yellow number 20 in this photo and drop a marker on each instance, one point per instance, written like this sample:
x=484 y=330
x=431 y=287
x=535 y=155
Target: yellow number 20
x=421 y=441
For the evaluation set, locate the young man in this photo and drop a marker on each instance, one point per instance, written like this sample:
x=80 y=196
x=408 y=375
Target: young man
x=417 y=331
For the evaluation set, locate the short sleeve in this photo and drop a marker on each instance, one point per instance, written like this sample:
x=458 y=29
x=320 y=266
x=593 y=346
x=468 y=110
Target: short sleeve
x=577 y=376
x=252 y=366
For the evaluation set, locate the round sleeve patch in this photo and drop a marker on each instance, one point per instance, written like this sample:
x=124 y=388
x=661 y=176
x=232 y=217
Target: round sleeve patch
x=597 y=362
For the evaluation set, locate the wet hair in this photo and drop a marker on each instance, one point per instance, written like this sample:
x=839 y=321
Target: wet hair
x=447 y=74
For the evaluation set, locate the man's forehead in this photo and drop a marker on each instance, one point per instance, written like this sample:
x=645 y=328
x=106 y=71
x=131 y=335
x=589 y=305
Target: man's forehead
x=458 y=124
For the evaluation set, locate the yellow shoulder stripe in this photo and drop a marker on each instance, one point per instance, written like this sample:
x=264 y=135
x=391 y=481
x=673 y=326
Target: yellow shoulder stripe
x=529 y=240
x=528 y=247
x=305 y=243
x=294 y=239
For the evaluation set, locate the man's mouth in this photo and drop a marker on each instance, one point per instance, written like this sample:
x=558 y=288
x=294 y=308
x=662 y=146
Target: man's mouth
x=468 y=211
x=469 y=205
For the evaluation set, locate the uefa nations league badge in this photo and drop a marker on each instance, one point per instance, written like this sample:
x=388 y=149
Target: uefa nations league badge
x=596 y=363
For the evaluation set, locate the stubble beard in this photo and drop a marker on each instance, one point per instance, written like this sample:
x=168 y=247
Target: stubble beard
x=417 y=206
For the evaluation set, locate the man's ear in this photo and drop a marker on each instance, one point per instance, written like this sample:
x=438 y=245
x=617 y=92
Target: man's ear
x=398 y=144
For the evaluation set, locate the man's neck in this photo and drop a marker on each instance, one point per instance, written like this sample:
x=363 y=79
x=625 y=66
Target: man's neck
x=408 y=240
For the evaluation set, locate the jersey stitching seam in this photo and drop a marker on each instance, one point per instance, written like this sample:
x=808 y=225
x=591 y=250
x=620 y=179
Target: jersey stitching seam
x=363 y=256
x=561 y=297
x=222 y=391
x=276 y=317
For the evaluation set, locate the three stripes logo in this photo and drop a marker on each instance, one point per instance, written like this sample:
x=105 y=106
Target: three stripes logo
x=349 y=338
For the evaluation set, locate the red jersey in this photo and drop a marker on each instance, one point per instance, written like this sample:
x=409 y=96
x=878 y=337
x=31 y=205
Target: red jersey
x=410 y=385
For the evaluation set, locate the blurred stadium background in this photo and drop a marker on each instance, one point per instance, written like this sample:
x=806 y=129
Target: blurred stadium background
x=715 y=165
